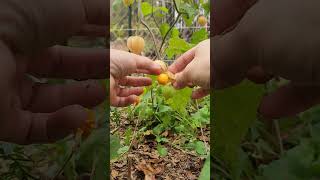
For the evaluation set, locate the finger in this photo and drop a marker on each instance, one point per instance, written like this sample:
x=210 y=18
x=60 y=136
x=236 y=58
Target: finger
x=258 y=75
x=182 y=61
x=124 y=101
x=200 y=93
x=93 y=30
x=125 y=92
x=124 y=63
x=182 y=80
x=70 y=63
x=97 y=11
x=51 y=97
x=289 y=100
x=43 y=127
x=135 y=81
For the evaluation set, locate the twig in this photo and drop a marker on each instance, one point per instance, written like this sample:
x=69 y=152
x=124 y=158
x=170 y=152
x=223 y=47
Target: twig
x=172 y=26
x=180 y=149
x=129 y=160
x=154 y=19
x=277 y=129
x=115 y=130
x=153 y=38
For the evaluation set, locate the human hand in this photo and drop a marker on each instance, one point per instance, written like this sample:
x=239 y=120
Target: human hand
x=265 y=42
x=32 y=112
x=122 y=65
x=193 y=69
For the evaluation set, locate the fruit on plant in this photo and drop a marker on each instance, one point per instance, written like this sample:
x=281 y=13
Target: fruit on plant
x=202 y=20
x=163 y=79
x=128 y=2
x=162 y=64
x=135 y=44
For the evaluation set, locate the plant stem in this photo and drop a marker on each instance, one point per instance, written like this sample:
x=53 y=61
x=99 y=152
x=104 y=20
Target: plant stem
x=153 y=38
x=172 y=26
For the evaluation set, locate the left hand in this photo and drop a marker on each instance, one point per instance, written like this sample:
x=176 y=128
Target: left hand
x=123 y=64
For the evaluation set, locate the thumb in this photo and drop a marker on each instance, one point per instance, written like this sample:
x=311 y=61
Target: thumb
x=182 y=79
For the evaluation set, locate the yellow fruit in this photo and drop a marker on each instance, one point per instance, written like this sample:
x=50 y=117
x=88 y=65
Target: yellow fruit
x=128 y=2
x=163 y=79
x=162 y=64
x=202 y=20
x=137 y=101
x=135 y=44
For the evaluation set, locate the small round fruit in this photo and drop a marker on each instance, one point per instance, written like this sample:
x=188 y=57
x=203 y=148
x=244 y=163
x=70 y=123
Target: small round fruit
x=163 y=79
x=202 y=20
x=162 y=64
x=135 y=44
x=128 y=2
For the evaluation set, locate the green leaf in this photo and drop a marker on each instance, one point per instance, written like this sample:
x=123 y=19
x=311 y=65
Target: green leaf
x=101 y=165
x=114 y=146
x=180 y=100
x=177 y=46
x=199 y=36
x=162 y=8
x=235 y=110
x=191 y=12
x=175 y=33
x=205 y=172
x=123 y=150
x=146 y=8
x=200 y=147
x=162 y=150
x=296 y=164
x=164 y=29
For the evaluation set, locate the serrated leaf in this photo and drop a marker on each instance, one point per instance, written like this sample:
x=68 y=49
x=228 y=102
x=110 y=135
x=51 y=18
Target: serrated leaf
x=177 y=46
x=146 y=8
x=164 y=29
x=180 y=100
x=199 y=36
x=235 y=110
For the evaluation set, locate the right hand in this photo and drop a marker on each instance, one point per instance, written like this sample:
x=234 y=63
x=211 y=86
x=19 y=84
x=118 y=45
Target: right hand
x=193 y=69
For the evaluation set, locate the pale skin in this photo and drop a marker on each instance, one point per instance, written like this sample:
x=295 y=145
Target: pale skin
x=193 y=69
x=125 y=89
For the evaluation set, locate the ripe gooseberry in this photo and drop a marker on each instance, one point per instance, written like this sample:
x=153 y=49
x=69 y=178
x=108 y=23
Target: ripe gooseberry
x=135 y=44
x=163 y=79
x=202 y=20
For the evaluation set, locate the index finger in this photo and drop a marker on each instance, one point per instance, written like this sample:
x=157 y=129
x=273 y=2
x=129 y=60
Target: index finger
x=125 y=63
x=182 y=61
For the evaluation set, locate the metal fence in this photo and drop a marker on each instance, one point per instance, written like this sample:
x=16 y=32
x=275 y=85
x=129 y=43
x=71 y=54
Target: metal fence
x=121 y=26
